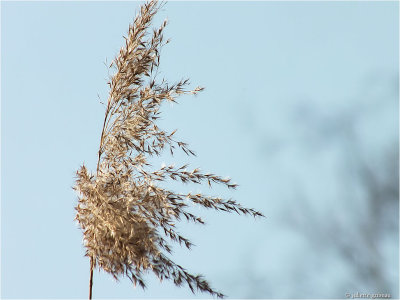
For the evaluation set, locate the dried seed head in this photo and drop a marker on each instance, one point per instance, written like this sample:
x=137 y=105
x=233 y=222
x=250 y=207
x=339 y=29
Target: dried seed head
x=126 y=218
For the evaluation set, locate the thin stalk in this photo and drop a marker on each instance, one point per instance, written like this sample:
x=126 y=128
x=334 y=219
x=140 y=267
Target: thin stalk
x=97 y=173
x=91 y=279
x=102 y=135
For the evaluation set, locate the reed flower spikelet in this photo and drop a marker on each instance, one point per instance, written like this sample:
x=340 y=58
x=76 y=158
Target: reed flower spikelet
x=127 y=219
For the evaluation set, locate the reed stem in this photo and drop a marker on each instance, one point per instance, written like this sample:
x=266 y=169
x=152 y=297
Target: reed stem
x=91 y=279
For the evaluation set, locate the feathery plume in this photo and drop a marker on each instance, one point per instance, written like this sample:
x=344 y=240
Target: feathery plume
x=126 y=218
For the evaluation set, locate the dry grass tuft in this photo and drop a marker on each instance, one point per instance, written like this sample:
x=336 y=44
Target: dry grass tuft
x=125 y=217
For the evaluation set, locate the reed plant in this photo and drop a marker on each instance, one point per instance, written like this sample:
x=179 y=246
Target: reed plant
x=127 y=218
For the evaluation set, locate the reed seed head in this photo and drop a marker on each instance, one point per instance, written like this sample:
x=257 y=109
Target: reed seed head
x=127 y=219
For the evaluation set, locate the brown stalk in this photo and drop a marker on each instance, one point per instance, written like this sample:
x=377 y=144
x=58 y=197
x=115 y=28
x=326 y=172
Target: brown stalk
x=91 y=278
x=97 y=173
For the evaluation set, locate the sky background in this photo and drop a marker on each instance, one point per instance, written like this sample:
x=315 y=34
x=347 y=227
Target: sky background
x=300 y=96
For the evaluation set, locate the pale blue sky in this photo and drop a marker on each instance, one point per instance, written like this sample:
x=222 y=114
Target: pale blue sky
x=272 y=71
